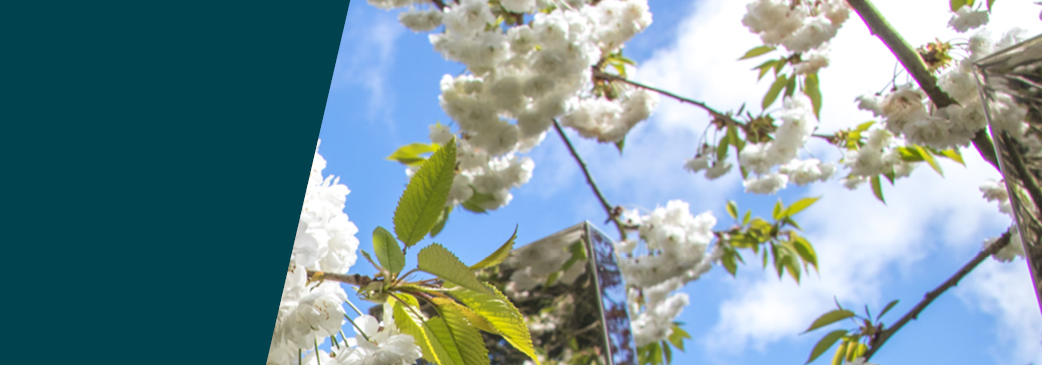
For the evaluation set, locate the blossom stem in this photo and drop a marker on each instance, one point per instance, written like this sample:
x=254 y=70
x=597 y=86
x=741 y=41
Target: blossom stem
x=716 y=114
x=589 y=180
x=318 y=358
x=915 y=66
x=881 y=337
x=357 y=328
x=353 y=307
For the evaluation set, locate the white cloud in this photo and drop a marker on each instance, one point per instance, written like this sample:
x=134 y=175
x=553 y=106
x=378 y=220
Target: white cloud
x=366 y=56
x=859 y=240
x=1004 y=291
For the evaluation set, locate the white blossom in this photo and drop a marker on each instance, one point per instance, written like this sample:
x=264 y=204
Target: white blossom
x=965 y=19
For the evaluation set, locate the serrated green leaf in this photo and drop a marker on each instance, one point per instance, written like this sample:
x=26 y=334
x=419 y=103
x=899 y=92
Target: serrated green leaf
x=387 y=251
x=778 y=209
x=425 y=196
x=825 y=343
x=804 y=249
x=732 y=209
x=656 y=354
x=499 y=255
x=462 y=341
x=886 y=309
x=830 y=317
x=877 y=189
x=411 y=321
x=500 y=313
x=748 y=214
x=956 y=4
x=442 y=219
x=756 y=51
x=929 y=159
x=779 y=65
x=909 y=154
x=774 y=91
x=799 y=206
x=813 y=91
x=864 y=126
x=410 y=153
x=477 y=321
x=439 y=261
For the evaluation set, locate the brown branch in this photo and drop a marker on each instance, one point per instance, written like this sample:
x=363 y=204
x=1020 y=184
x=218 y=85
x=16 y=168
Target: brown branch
x=881 y=337
x=589 y=180
x=915 y=66
x=440 y=4
x=353 y=279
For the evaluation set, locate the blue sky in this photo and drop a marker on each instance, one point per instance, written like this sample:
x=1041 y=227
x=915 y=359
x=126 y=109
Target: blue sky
x=384 y=94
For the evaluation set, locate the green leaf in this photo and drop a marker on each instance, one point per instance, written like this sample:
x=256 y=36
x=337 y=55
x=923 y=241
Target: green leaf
x=825 y=343
x=950 y=153
x=732 y=209
x=729 y=262
x=474 y=203
x=439 y=261
x=424 y=198
x=578 y=251
x=831 y=317
x=499 y=255
x=732 y=136
x=812 y=90
x=886 y=309
x=748 y=214
x=929 y=159
x=778 y=209
x=877 y=188
x=957 y=4
x=410 y=154
x=909 y=154
x=677 y=336
x=620 y=144
x=804 y=249
x=772 y=93
x=989 y=4
x=462 y=341
x=412 y=322
x=667 y=352
x=756 y=51
x=721 y=148
x=442 y=219
x=790 y=88
x=799 y=206
x=864 y=126
x=765 y=68
x=500 y=312
x=387 y=251
x=477 y=321
x=841 y=353
x=779 y=65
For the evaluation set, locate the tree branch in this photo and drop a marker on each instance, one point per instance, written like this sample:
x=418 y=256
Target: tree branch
x=915 y=66
x=589 y=180
x=353 y=279
x=881 y=337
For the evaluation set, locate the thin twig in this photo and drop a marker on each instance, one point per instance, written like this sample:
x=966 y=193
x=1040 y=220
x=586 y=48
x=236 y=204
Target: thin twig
x=915 y=66
x=589 y=180
x=880 y=338
x=607 y=76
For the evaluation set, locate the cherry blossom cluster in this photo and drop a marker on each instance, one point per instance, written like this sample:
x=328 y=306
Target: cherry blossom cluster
x=310 y=313
x=802 y=27
x=676 y=251
x=797 y=125
x=995 y=191
x=529 y=62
